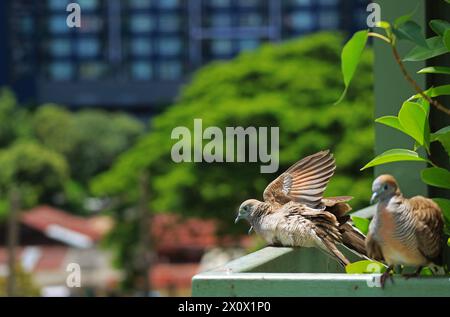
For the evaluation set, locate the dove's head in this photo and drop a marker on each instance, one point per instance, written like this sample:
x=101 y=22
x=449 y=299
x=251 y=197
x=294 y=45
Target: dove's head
x=383 y=188
x=246 y=209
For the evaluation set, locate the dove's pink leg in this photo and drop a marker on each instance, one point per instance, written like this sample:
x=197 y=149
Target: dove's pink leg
x=385 y=275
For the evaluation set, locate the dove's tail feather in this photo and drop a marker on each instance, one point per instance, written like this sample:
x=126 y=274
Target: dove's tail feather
x=353 y=239
x=332 y=250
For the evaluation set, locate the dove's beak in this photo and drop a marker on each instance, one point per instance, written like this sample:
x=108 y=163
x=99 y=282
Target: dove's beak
x=237 y=219
x=374 y=198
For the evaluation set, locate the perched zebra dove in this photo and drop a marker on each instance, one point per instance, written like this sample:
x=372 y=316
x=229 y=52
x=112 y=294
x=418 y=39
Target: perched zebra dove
x=404 y=231
x=294 y=213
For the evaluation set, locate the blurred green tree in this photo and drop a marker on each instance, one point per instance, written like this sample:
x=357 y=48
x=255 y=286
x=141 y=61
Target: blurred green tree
x=290 y=85
x=25 y=284
x=10 y=117
x=89 y=139
x=38 y=172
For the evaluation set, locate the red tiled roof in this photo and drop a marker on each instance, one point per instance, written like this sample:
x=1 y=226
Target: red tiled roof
x=169 y=231
x=41 y=217
x=52 y=258
x=167 y=275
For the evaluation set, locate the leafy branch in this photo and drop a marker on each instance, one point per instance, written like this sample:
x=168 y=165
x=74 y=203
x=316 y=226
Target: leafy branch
x=413 y=117
x=416 y=86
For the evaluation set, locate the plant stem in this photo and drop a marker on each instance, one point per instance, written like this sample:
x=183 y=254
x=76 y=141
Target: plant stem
x=382 y=37
x=416 y=86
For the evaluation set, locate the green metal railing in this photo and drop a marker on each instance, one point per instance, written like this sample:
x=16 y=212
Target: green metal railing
x=300 y=272
x=306 y=272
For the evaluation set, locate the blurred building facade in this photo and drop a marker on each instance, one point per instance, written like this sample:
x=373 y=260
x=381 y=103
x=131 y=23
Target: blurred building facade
x=135 y=54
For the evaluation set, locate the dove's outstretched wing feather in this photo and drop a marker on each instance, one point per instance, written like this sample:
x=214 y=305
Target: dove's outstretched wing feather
x=304 y=182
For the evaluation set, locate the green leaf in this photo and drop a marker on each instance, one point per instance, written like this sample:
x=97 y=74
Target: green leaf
x=448 y=242
x=383 y=24
x=426 y=271
x=390 y=121
x=365 y=267
x=413 y=118
x=394 y=155
x=435 y=70
x=439 y=91
x=439 y=26
x=361 y=223
x=433 y=92
x=404 y=18
x=443 y=136
x=411 y=31
x=446 y=39
x=350 y=57
x=435 y=48
x=445 y=208
x=437 y=177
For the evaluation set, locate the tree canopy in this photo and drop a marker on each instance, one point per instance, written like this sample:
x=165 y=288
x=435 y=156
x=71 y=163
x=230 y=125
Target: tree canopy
x=291 y=85
x=51 y=153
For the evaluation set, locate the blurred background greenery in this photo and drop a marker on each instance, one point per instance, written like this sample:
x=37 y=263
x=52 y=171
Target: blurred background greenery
x=86 y=116
x=62 y=158
x=292 y=86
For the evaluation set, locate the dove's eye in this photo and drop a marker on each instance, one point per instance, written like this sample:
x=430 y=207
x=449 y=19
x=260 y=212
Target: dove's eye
x=385 y=187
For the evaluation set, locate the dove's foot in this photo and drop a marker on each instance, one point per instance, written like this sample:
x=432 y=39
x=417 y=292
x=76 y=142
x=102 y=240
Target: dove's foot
x=411 y=275
x=385 y=276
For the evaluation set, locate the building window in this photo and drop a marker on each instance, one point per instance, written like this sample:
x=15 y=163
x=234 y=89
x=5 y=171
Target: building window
x=141 y=23
x=251 y=20
x=329 y=20
x=88 y=4
x=169 y=23
x=88 y=48
x=60 y=47
x=141 y=70
x=57 y=5
x=170 y=46
x=91 y=24
x=302 y=21
x=170 y=70
x=57 y=24
x=141 y=47
x=61 y=71
x=222 y=48
x=220 y=20
x=91 y=70
x=249 y=44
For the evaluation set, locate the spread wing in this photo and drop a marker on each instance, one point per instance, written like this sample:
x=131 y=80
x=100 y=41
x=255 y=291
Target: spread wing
x=429 y=227
x=304 y=182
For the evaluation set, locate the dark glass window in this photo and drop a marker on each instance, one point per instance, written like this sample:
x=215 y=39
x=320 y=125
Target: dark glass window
x=61 y=70
x=142 y=70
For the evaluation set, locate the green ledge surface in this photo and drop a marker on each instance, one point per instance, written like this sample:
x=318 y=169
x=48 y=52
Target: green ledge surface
x=305 y=272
